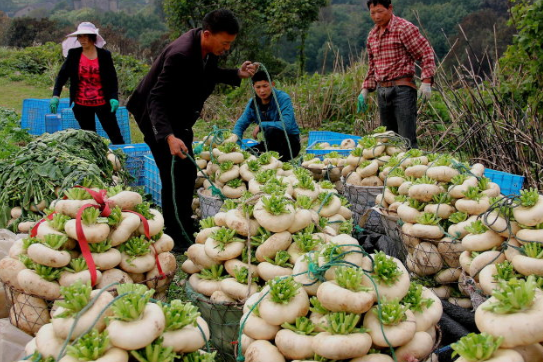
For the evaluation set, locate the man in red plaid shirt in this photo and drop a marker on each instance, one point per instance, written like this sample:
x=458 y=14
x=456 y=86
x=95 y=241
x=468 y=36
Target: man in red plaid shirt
x=393 y=46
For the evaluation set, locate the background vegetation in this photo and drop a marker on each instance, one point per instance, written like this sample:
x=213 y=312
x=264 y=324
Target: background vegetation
x=487 y=101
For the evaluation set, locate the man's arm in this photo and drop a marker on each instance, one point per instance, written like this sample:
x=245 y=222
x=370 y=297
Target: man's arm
x=233 y=76
x=244 y=121
x=369 y=82
x=421 y=50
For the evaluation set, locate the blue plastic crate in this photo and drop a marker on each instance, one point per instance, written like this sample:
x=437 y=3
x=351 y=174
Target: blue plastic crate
x=321 y=153
x=134 y=160
x=35 y=112
x=69 y=121
x=509 y=184
x=153 y=185
x=325 y=136
x=53 y=123
x=248 y=142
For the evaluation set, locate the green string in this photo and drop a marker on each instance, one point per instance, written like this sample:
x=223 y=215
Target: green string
x=317 y=272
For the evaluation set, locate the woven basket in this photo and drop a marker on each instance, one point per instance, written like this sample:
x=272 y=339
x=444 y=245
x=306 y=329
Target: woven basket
x=29 y=312
x=209 y=205
x=362 y=200
x=223 y=320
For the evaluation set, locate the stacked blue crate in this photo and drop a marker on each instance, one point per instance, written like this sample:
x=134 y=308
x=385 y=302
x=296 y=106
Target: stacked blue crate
x=35 y=111
x=153 y=185
x=509 y=183
x=135 y=162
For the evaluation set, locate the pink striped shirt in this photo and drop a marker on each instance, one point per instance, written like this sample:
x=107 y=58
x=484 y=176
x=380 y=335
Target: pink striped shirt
x=393 y=54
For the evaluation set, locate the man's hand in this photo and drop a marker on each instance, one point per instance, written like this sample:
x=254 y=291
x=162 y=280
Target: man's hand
x=425 y=91
x=255 y=132
x=362 y=105
x=177 y=146
x=53 y=104
x=247 y=69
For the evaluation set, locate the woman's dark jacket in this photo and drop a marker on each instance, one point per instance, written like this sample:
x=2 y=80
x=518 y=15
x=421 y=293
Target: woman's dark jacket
x=70 y=70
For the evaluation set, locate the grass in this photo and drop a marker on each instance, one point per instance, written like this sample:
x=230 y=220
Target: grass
x=13 y=93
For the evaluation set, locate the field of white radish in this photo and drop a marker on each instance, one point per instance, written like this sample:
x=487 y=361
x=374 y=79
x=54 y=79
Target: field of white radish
x=282 y=268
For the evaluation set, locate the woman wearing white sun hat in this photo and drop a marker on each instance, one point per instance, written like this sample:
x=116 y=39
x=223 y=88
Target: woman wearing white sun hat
x=93 y=81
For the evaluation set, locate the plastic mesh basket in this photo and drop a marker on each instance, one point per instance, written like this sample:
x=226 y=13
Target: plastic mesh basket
x=209 y=205
x=69 y=121
x=152 y=183
x=325 y=136
x=509 y=184
x=362 y=200
x=135 y=160
x=34 y=115
x=389 y=223
x=223 y=320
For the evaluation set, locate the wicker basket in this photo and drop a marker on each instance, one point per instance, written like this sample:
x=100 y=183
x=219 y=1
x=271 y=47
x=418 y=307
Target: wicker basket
x=223 y=320
x=362 y=200
x=209 y=205
x=29 y=312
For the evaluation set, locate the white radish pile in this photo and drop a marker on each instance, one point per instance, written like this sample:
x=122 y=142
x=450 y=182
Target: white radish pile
x=437 y=205
x=342 y=320
x=290 y=216
x=329 y=168
x=51 y=257
x=93 y=325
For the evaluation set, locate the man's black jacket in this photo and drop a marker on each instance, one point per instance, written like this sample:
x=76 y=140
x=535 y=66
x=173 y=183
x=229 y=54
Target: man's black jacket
x=170 y=97
x=70 y=69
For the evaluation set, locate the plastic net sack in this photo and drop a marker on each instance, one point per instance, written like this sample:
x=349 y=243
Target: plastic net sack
x=209 y=205
x=389 y=223
x=362 y=200
x=223 y=320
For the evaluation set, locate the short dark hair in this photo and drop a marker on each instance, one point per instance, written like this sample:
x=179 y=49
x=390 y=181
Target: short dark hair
x=260 y=75
x=221 y=20
x=385 y=3
x=92 y=37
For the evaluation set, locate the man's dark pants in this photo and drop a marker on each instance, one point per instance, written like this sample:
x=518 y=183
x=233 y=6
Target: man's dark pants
x=398 y=111
x=276 y=141
x=184 y=175
x=85 y=117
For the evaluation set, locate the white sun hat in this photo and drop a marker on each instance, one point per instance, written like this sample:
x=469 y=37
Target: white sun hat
x=83 y=28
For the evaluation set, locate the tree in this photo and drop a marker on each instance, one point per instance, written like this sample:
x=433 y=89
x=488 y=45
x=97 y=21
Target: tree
x=292 y=18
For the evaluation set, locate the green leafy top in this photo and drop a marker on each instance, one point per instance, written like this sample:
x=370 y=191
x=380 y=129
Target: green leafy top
x=505 y=271
x=477 y=227
x=513 y=296
x=316 y=306
x=427 y=218
x=392 y=312
x=302 y=325
x=58 y=221
x=327 y=185
x=229 y=204
x=46 y=272
x=442 y=198
x=253 y=165
x=179 y=314
x=77 y=193
x=457 y=217
x=357 y=152
x=229 y=147
x=199 y=356
x=304 y=202
x=385 y=269
x=529 y=198
x=55 y=241
x=367 y=142
x=414 y=152
x=476 y=347
x=397 y=172
x=241 y=274
x=100 y=247
x=333 y=154
x=275 y=186
x=116 y=217
x=425 y=180
x=77 y=265
x=351 y=278
x=130 y=307
x=29 y=241
x=459 y=179
x=90 y=346
x=533 y=250
x=343 y=323
x=74 y=298
x=414 y=298
x=90 y=215
x=208 y=222
x=275 y=204
x=283 y=289
x=214 y=272
x=224 y=236
x=114 y=190
x=235 y=183
x=263 y=176
x=473 y=193
x=145 y=210
x=484 y=183
x=136 y=246
x=226 y=166
x=305 y=182
x=265 y=158
x=155 y=352
x=416 y=204
x=281 y=259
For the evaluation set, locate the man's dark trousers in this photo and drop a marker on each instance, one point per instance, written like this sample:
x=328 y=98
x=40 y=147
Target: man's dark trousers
x=398 y=111
x=184 y=176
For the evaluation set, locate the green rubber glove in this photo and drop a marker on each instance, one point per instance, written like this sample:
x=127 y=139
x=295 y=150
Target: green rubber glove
x=114 y=105
x=53 y=105
x=362 y=106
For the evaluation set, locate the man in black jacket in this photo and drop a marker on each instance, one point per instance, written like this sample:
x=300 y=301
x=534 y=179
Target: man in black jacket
x=168 y=102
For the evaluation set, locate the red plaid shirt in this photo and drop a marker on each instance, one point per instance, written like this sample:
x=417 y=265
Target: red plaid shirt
x=392 y=55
